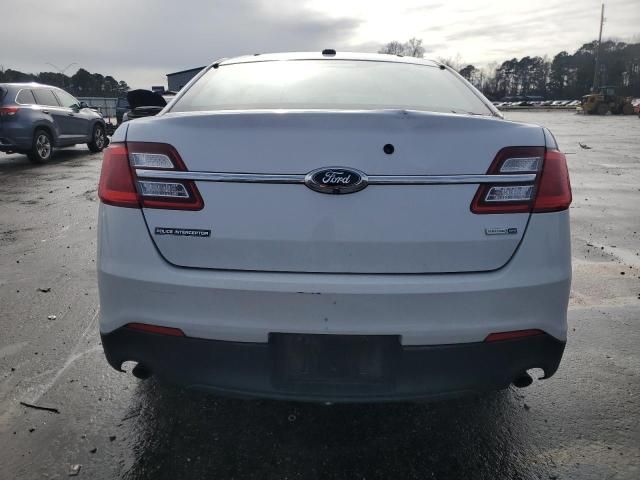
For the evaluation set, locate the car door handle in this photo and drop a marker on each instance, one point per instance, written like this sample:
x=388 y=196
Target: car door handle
x=70 y=114
x=45 y=111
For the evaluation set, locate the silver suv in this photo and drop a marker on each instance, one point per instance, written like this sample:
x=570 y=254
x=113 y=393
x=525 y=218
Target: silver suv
x=35 y=118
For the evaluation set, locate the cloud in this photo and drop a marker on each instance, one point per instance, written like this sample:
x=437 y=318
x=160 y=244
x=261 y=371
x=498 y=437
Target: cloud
x=142 y=40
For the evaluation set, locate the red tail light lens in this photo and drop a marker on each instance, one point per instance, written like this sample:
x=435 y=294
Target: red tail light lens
x=554 y=188
x=550 y=192
x=497 y=337
x=116 y=185
x=8 y=111
x=147 y=328
x=123 y=182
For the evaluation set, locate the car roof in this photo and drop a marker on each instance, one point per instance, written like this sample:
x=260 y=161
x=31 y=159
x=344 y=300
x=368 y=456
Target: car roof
x=371 y=57
x=27 y=85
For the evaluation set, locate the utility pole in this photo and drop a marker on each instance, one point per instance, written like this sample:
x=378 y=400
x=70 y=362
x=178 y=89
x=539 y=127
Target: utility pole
x=596 y=73
x=62 y=70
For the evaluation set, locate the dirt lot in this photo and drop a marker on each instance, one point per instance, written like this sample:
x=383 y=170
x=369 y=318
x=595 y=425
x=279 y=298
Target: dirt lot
x=584 y=423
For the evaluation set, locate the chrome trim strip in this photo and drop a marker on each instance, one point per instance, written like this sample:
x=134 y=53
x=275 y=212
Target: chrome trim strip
x=373 y=179
x=448 y=179
x=220 y=177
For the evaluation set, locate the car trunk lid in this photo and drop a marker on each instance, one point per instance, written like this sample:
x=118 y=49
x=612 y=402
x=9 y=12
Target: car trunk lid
x=258 y=215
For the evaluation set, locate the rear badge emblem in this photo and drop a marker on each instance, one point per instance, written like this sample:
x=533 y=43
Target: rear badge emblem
x=336 y=180
x=501 y=231
x=183 y=232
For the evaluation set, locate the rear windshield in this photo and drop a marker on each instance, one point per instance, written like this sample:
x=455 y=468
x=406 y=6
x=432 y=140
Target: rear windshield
x=330 y=84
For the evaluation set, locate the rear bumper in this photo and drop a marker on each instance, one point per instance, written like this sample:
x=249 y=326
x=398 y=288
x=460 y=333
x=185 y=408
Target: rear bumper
x=137 y=285
x=8 y=148
x=7 y=145
x=251 y=369
x=14 y=138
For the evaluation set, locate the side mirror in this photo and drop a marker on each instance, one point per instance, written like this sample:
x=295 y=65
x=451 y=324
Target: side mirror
x=83 y=105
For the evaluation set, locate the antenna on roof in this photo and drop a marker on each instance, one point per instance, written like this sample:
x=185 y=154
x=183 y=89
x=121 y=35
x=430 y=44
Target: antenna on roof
x=328 y=51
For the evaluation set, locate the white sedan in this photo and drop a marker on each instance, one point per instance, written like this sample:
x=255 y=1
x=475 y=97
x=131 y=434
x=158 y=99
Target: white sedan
x=334 y=227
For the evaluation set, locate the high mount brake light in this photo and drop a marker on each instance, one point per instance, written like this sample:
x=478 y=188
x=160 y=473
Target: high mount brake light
x=122 y=186
x=550 y=192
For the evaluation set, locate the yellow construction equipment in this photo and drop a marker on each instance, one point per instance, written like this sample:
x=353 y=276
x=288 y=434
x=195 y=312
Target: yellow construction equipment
x=606 y=101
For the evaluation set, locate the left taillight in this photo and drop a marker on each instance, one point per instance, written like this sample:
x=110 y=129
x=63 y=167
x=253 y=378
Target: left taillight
x=123 y=182
x=117 y=185
x=8 y=111
x=157 y=329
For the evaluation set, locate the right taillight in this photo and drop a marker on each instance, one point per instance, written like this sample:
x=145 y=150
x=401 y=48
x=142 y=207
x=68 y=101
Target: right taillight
x=123 y=182
x=554 y=187
x=546 y=190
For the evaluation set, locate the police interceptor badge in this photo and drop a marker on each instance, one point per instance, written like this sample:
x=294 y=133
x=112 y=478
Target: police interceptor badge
x=183 y=232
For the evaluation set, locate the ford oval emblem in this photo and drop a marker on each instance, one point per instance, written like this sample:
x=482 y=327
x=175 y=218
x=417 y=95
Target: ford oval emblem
x=336 y=180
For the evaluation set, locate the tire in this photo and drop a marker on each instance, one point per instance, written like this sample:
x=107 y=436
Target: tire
x=98 y=139
x=42 y=147
x=602 y=109
x=627 y=109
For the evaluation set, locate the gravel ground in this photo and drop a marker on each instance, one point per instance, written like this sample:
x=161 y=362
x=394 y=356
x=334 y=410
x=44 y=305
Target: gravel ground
x=581 y=424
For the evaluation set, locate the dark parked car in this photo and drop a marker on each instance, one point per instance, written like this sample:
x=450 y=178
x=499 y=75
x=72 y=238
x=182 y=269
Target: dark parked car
x=122 y=107
x=145 y=103
x=36 y=118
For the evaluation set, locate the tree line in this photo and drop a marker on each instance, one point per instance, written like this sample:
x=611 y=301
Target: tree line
x=566 y=76
x=80 y=84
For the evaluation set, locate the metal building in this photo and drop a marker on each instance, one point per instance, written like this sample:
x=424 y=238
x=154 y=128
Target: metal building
x=177 y=80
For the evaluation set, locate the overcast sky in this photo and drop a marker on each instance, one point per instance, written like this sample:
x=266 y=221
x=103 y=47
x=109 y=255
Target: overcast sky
x=139 y=41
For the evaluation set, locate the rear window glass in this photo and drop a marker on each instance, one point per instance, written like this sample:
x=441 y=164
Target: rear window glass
x=45 y=97
x=25 y=97
x=330 y=84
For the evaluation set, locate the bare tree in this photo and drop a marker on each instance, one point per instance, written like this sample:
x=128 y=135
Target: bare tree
x=393 y=48
x=469 y=72
x=412 y=48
